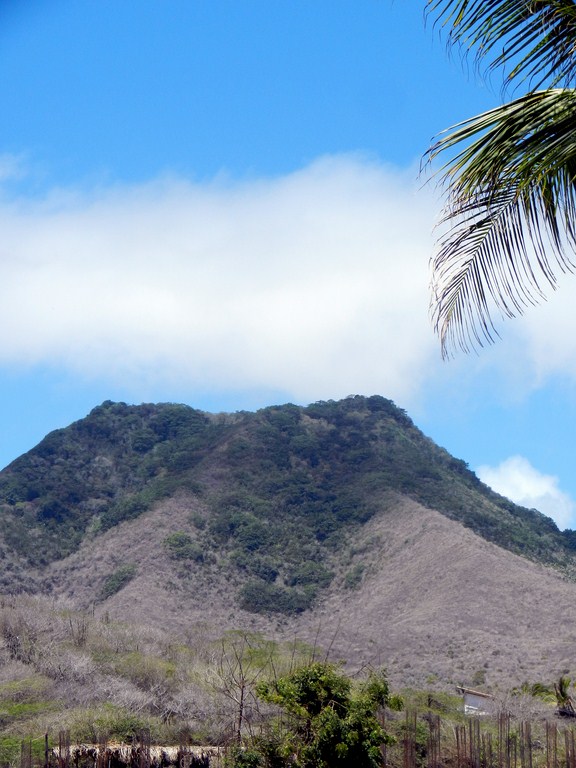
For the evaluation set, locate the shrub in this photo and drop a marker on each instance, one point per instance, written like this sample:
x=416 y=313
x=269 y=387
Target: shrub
x=117 y=580
x=181 y=546
x=312 y=574
x=9 y=750
x=243 y=758
x=119 y=724
x=263 y=597
x=353 y=578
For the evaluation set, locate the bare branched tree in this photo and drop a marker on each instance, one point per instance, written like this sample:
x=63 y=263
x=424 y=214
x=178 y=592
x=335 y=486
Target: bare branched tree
x=239 y=664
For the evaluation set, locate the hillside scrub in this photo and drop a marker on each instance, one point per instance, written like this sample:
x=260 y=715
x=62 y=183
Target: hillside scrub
x=60 y=669
x=269 y=703
x=98 y=680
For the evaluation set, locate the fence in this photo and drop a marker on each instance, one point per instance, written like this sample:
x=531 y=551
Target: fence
x=481 y=742
x=425 y=741
x=140 y=754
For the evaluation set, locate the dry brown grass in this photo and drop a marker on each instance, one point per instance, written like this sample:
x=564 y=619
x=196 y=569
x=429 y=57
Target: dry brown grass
x=437 y=605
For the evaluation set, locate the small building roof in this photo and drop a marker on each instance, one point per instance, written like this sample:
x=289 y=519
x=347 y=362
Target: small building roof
x=472 y=692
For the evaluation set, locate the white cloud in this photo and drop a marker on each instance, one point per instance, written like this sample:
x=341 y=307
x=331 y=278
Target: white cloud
x=315 y=283
x=12 y=167
x=519 y=481
x=548 y=334
x=539 y=346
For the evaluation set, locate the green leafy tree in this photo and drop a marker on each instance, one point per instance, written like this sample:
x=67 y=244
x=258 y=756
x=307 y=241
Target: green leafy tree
x=330 y=723
x=510 y=223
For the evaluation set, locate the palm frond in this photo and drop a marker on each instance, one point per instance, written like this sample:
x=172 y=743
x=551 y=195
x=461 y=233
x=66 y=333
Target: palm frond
x=537 y=38
x=510 y=214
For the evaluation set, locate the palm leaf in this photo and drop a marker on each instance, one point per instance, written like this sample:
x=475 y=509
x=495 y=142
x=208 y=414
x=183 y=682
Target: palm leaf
x=537 y=38
x=510 y=214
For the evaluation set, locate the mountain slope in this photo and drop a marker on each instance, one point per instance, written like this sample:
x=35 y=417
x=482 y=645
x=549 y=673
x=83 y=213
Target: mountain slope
x=431 y=599
x=299 y=476
x=338 y=522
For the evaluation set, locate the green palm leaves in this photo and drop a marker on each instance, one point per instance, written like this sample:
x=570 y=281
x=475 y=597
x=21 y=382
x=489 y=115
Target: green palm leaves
x=534 y=37
x=563 y=698
x=510 y=217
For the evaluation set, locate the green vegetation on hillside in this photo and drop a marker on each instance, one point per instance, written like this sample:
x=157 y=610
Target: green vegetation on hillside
x=283 y=488
x=117 y=580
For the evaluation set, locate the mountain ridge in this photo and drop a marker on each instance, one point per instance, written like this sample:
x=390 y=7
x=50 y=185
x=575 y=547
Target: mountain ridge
x=338 y=520
x=111 y=465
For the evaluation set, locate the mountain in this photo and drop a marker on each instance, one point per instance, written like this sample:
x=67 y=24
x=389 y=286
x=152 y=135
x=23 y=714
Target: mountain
x=339 y=523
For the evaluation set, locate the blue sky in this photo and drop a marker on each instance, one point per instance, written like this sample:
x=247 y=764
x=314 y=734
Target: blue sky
x=217 y=202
